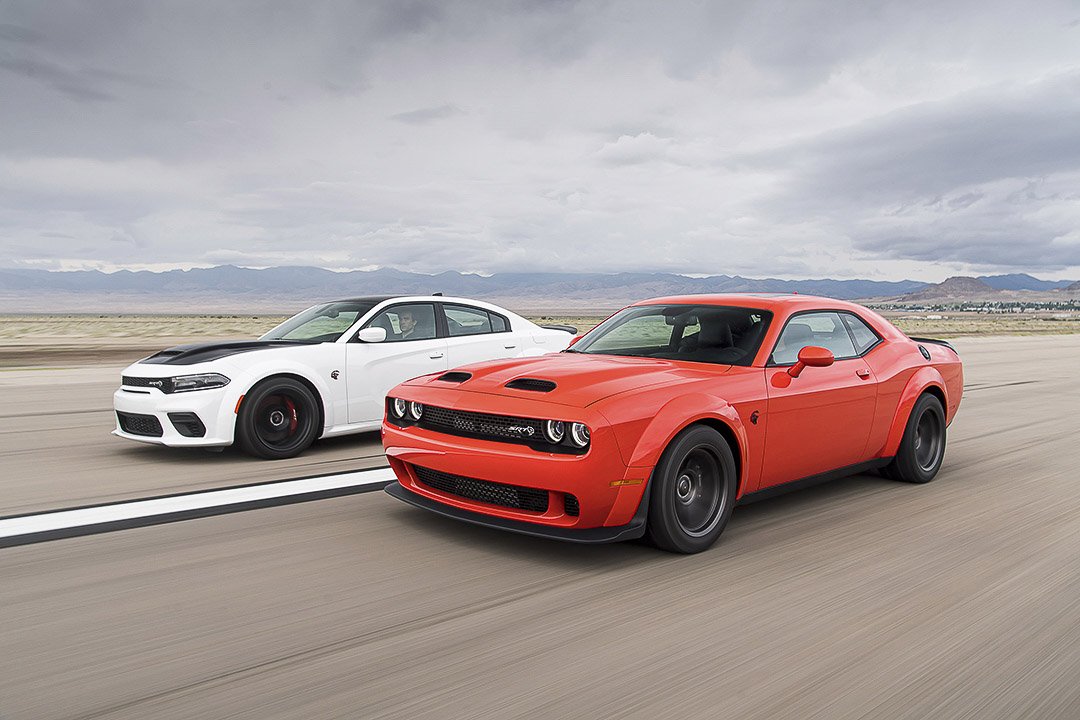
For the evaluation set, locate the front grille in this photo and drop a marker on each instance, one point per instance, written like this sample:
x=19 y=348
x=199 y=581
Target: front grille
x=497 y=427
x=492 y=493
x=134 y=424
x=141 y=381
x=571 y=504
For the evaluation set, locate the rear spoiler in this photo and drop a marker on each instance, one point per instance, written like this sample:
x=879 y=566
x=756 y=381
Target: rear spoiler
x=932 y=341
x=565 y=328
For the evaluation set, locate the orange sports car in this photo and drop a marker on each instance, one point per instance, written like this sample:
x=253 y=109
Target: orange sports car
x=663 y=417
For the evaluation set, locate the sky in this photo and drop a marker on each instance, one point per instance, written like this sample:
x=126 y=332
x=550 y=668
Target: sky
x=840 y=138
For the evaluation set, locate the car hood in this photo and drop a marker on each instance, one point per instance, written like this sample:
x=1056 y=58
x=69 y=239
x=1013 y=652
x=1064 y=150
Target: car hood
x=578 y=379
x=205 y=352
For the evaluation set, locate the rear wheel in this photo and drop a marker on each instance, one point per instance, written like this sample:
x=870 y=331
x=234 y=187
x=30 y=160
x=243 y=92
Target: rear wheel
x=693 y=491
x=278 y=419
x=922 y=448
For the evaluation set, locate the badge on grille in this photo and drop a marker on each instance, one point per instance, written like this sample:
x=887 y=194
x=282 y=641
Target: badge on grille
x=521 y=430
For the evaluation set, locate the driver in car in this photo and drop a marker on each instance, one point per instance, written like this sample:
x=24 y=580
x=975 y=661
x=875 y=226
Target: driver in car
x=407 y=323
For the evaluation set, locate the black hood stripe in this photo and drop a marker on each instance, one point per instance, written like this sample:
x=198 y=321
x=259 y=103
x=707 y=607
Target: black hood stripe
x=205 y=352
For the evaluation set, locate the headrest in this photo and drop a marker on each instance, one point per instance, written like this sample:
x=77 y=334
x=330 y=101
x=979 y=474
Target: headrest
x=715 y=332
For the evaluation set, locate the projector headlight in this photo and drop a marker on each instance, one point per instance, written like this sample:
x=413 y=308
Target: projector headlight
x=415 y=410
x=398 y=407
x=188 y=383
x=579 y=435
x=554 y=431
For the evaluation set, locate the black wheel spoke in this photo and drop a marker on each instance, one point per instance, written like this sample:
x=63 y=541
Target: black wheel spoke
x=700 y=492
x=282 y=420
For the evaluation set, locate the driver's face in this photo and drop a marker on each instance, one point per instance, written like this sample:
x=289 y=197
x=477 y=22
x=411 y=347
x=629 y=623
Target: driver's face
x=407 y=322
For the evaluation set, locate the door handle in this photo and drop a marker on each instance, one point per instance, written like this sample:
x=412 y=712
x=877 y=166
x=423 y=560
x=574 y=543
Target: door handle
x=435 y=356
x=509 y=347
x=863 y=373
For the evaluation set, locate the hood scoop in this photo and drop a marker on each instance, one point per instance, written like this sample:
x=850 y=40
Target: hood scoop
x=455 y=376
x=531 y=384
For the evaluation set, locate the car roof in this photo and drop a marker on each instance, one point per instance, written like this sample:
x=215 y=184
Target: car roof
x=791 y=302
x=374 y=299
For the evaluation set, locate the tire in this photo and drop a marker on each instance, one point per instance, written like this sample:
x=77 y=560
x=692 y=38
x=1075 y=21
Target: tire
x=279 y=418
x=693 y=492
x=918 y=459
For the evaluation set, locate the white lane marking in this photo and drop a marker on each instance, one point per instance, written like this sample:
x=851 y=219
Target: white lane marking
x=136 y=509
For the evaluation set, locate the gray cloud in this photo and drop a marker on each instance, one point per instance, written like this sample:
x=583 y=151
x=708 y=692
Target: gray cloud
x=808 y=138
x=426 y=115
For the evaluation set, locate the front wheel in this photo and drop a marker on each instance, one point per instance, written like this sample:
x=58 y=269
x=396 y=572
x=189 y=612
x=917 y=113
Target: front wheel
x=922 y=448
x=278 y=419
x=693 y=491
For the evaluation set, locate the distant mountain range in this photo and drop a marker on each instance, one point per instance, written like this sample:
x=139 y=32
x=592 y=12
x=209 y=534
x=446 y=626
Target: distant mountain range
x=230 y=289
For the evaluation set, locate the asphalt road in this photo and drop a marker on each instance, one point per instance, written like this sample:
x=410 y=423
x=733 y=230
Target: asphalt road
x=861 y=598
x=56 y=450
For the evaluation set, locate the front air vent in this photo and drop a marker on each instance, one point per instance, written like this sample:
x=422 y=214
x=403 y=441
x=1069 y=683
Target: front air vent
x=485 y=491
x=135 y=424
x=454 y=376
x=532 y=384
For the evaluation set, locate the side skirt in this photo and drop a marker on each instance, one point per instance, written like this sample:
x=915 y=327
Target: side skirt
x=813 y=480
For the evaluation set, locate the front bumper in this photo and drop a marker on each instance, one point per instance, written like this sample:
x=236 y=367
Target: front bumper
x=609 y=494
x=634 y=529
x=211 y=406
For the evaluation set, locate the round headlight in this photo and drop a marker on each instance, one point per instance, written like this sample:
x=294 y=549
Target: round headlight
x=415 y=410
x=579 y=434
x=399 y=407
x=554 y=431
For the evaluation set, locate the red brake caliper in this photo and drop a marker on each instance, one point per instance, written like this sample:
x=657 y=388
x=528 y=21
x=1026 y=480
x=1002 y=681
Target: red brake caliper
x=293 y=419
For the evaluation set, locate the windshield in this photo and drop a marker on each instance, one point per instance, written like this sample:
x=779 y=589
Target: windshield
x=322 y=323
x=697 y=333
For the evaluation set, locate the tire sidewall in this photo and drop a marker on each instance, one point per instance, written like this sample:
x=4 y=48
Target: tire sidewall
x=906 y=461
x=248 y=437
x=664 y=529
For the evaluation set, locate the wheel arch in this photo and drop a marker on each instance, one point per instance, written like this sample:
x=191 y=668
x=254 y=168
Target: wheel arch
x=320 y=400
x=926 y=380
x=732 y=440
x=682 y=413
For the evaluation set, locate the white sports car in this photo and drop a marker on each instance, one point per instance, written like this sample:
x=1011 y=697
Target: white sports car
x=321 y=373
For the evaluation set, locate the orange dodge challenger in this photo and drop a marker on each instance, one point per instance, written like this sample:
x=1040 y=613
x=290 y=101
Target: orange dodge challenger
x=661 y=418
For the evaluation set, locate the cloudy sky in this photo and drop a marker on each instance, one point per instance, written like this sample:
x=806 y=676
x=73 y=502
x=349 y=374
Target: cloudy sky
x=794 y=139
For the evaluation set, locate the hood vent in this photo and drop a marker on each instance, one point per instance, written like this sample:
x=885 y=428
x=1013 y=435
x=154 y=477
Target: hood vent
x=455 y=376
x=533 y=384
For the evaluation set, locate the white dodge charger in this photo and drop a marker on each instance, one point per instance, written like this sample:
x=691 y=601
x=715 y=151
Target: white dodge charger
x=321 y=373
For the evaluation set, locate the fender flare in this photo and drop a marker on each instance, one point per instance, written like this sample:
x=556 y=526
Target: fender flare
x=924 y=378
x=682 y=412
x=315 y=384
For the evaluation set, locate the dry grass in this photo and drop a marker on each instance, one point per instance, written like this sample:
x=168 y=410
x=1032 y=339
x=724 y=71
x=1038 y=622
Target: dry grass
x=67 y=340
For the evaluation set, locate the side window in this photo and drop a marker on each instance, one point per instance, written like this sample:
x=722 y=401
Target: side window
x=824 y=329
x=865 y=338
x=462 y=320
x=415 y=321
x=498 y=323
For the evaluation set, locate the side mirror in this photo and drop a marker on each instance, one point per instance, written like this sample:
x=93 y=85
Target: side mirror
x=576 y=338
x=811 y=356
x=371 y=335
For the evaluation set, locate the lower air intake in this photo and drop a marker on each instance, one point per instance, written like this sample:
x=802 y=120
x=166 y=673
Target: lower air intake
x=509 y=496
x=134 y=424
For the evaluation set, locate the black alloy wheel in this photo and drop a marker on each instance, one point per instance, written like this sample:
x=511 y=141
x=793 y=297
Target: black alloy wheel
x=278 y=419
x=693 y=491
x=918 y=459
